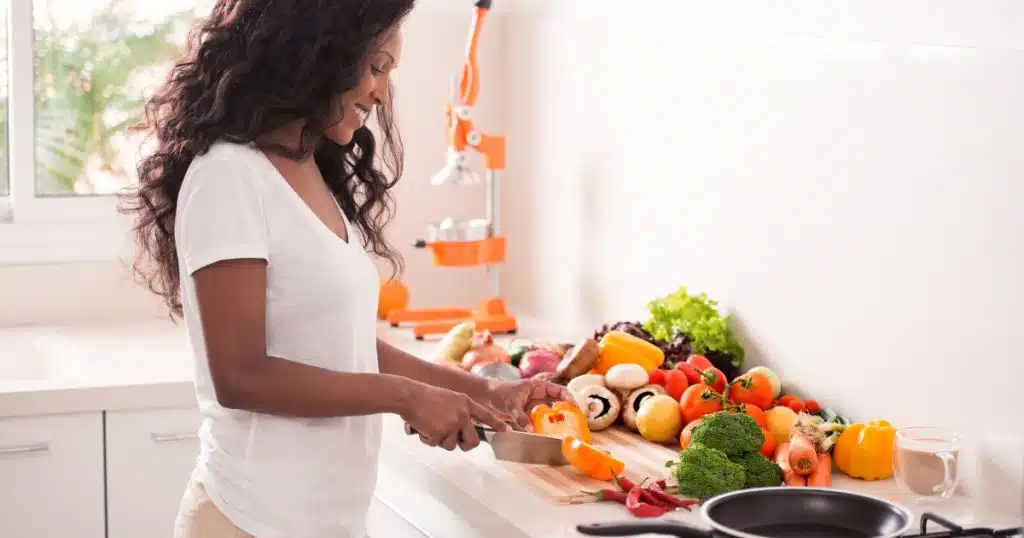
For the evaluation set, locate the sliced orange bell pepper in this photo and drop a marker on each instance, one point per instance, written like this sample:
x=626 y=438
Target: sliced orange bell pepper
x=560 y=420
x=591 y=461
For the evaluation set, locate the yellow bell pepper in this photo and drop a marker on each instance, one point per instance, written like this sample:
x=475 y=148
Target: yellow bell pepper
x=619 y=347
x=865 y=451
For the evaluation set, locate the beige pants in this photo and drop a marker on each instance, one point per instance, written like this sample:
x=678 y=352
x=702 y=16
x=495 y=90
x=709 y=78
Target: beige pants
x=198 y=517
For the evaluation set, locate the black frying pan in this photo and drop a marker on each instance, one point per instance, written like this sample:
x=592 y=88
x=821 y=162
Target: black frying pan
x=778 y=512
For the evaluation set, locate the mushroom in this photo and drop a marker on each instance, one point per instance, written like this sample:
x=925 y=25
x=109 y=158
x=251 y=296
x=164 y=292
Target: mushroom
x=634 y=400
x=579 y=360
x=601 y=406
x=586 y=380
x=626 y=377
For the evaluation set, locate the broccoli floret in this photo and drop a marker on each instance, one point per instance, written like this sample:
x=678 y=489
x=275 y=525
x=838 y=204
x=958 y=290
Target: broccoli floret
x=758 y=471
x=704 y=472
x=734 y=434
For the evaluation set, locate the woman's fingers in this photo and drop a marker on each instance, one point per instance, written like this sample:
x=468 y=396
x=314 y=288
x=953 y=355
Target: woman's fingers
x=521 y=419
x=450 y=441
x=487 y=416
x=469 y=438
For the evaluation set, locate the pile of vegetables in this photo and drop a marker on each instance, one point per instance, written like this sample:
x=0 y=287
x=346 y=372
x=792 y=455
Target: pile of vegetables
x=675 y=378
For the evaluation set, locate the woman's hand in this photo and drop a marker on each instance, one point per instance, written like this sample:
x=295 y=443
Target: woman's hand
x=446 y=418
x=517 y=398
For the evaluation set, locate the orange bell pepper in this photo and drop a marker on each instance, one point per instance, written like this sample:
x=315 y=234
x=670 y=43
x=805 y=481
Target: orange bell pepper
x=560 y=420
x=593 y=462
x=619 y=347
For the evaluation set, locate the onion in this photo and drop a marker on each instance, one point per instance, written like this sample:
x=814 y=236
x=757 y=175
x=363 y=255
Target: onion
x=538 y=361
x=485 y=353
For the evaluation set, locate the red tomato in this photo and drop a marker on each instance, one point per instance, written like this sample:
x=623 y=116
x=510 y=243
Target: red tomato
x=795 y=405
x=657 y=377
x=685 y=437
x=714 y=377
x=699 y=361
x=752 y=388
x=699 y=400
x=768 y=447
x=786 y=398
x=812 y=406
x=675 y=383
x=691 y=366
x=755 y=412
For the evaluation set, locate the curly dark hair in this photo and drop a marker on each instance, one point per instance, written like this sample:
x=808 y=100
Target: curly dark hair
x=251 y=67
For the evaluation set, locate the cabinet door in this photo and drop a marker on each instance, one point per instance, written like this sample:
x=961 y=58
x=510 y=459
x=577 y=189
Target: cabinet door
x=51 y=476
x=150 y=457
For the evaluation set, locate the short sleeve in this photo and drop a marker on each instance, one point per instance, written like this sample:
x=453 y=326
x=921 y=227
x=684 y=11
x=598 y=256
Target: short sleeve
x=220 y=214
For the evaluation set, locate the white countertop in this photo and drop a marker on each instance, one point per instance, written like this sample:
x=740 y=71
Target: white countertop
x=149 y=365
x=49 y=370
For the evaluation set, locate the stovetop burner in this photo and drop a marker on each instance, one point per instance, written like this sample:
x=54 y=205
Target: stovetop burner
x=952 y=530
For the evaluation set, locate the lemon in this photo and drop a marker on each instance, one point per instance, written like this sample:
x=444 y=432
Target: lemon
x=659 y=419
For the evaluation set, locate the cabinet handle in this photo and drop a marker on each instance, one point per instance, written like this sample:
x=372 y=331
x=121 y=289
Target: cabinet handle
x=168 y=437
x=24 y=449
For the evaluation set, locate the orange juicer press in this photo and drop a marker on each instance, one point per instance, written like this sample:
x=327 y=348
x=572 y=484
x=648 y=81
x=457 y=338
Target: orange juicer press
x=474 y=242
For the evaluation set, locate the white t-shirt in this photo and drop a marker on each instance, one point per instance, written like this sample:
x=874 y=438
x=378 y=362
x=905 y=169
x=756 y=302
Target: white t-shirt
x=273 y=476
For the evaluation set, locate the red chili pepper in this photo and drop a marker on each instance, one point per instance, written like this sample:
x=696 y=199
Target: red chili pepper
x=649 y=497
x=662 y=484
x=671 y=500
x=625 y=483
x=609 y=495
x=642 y=509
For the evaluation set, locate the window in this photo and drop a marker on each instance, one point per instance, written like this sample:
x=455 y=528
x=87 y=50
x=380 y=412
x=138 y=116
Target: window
x=75 y=76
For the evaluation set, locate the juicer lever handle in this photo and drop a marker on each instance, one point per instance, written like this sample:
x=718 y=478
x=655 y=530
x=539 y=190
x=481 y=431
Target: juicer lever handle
x=419 y=243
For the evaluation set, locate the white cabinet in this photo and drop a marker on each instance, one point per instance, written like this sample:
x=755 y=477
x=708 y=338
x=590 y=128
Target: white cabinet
x=150 y=457
x=51 y=476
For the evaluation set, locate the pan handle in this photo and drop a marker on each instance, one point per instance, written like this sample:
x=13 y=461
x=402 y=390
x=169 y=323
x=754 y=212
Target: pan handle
x=636 y=528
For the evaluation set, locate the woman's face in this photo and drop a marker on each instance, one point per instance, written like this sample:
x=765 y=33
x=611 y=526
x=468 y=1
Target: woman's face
x=356 y=105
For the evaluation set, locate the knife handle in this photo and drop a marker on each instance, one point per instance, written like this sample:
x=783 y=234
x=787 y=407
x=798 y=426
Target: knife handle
x=482 y=431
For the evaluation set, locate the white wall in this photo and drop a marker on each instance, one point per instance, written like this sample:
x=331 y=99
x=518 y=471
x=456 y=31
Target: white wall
x=846 y=176
x=435 y=38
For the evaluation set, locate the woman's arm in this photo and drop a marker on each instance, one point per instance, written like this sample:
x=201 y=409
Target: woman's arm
x=232 y=306
x=397 y=362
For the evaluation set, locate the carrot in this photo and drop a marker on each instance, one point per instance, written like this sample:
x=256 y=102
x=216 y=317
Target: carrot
x=789 y=477
x=822 y=475
x=803 y=458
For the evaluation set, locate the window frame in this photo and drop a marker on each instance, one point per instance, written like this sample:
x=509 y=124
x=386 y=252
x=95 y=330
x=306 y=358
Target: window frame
x=87 y=228
x=45 y=229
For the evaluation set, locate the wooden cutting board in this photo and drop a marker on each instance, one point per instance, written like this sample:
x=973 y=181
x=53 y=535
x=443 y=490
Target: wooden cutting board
x=564 y=484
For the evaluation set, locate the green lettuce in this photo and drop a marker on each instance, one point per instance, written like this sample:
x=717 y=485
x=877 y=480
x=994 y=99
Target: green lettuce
x=697 y=317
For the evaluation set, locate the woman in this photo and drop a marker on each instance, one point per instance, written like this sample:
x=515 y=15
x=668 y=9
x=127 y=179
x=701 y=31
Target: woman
x=254 y=213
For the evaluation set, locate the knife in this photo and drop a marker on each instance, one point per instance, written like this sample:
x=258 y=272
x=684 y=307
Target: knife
x=518 y=447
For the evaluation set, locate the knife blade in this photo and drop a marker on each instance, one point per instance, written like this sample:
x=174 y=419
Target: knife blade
x=518 y=447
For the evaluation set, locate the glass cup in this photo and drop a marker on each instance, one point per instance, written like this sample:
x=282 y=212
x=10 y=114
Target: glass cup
x=926 y=462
